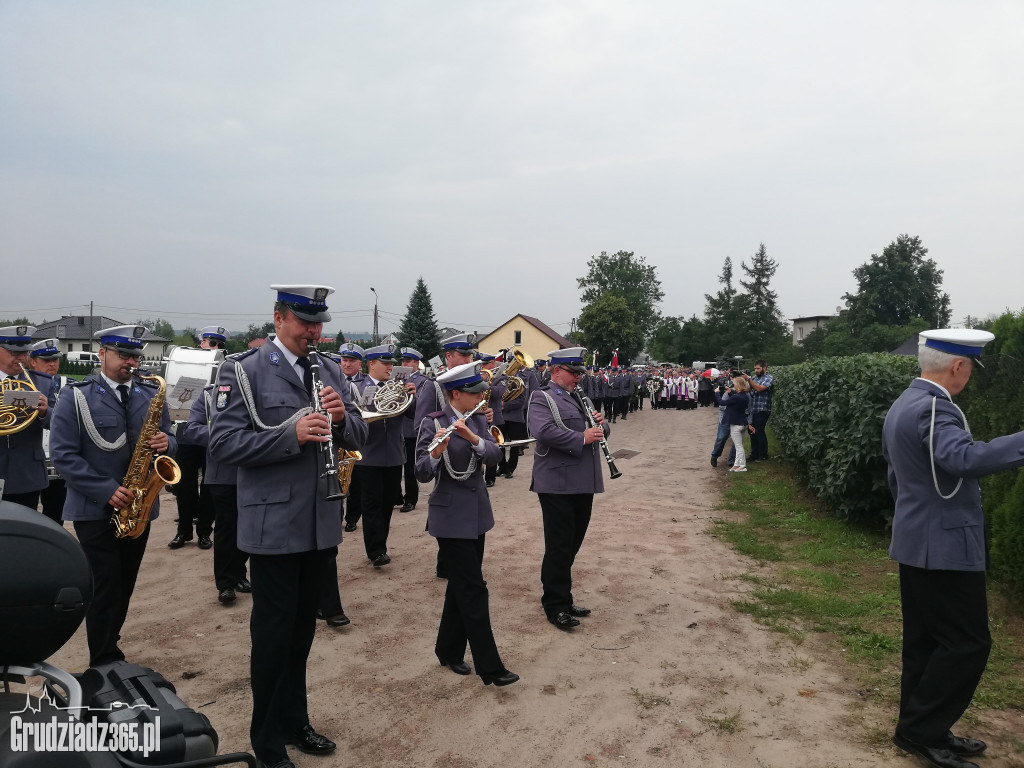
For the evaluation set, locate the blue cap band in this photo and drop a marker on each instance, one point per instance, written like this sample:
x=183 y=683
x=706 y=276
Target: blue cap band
x=124 y=340
x=456 y=383
x=949 y=347
x=15 y=339
x=302 y=301
x=378 y=355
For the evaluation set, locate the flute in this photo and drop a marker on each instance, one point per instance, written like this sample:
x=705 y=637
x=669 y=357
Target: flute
x=588 y=414
x=451 y=427
x=328 y=457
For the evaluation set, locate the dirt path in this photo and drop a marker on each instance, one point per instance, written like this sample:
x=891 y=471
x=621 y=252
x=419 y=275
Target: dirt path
x=659 y=675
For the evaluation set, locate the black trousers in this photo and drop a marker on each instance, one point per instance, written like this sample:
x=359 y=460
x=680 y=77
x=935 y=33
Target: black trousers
x=329 y=600
x=946 y=643
x=379 y=488
x=623 y=404
x=228 y=560
x=194 y=501
x=53 y=497
x=412 y=486
x=354 y=501
x=115 y=567
x=566 y=517
x=282 y=625
x=513 y=430
x=30 y=499
x=759 y=440
x=466 y=616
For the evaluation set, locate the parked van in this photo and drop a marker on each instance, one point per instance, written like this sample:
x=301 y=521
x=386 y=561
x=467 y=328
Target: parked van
x=84 y=357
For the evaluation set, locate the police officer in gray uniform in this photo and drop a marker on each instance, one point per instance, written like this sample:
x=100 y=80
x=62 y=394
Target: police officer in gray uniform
x=264 y=424
x=411 y=494
x=220 y=481
x=45 y=359
x=22 y=462
x=566 y=474
x=938 y=538
x=93 y=435
x=459 y=516
x=351 y=355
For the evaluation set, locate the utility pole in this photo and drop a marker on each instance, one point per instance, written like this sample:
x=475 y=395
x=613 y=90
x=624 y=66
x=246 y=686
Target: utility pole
x=376 y=329
x=90 y=328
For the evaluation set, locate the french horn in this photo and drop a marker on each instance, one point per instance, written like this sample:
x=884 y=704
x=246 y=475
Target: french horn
x=15 y=417
x=390 y=400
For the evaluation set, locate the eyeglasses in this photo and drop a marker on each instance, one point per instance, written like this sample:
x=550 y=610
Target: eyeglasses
x=129 y=355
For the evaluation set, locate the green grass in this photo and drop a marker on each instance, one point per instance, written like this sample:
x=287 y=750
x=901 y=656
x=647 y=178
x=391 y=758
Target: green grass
x=834 y=581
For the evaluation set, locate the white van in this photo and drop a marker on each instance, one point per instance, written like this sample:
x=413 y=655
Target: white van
x=84 y=357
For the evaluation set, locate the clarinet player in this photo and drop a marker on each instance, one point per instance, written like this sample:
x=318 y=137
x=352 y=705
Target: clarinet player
x=567 y=473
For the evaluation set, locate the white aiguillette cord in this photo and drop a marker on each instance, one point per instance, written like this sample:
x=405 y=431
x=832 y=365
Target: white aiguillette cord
x=931 y=450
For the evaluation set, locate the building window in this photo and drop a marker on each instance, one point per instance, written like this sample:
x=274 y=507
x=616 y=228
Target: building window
x=87 y=347
x=62 y=331
x=81 y=321
x=517 y=337
x=800 y=333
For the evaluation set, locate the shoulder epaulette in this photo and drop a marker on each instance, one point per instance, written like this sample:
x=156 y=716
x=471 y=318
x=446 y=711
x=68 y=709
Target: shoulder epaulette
x=435 y=415
x=242 y=355
x=41 y=373
x=80 y=382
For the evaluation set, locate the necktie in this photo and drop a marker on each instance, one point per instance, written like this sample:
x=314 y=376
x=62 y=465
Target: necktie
x=122 y=392
x=307 y=374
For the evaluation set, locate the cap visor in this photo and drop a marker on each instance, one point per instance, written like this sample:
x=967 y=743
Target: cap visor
x=311 y=316
x=475 y=387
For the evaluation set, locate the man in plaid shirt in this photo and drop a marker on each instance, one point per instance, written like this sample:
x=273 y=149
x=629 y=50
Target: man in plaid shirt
x=761 y=387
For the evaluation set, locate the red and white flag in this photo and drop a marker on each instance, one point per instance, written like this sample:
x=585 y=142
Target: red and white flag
x=615 y=359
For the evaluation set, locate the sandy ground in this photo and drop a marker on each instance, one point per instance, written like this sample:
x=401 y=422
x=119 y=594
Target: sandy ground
x=650 y=679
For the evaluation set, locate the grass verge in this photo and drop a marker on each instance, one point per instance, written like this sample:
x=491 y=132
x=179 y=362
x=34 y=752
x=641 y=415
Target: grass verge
x=835 y=581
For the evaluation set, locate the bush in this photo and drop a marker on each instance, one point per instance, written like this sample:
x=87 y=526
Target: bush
x=827 y=414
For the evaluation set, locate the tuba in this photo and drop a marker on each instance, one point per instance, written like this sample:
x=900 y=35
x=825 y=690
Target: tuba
x=15 y=417
x=515 y=386
x=147 y=473
x=389 y=400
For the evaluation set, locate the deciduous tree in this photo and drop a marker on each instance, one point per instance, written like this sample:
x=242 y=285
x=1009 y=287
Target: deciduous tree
x=609 y=323
x=629 y=277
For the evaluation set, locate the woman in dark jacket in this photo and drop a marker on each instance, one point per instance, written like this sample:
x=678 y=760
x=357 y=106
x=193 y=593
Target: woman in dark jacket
x=458 y=516
x=736 y=417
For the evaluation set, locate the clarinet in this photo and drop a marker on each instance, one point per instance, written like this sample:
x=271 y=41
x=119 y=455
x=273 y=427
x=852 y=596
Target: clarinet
x=328 y=457
x=588 y=414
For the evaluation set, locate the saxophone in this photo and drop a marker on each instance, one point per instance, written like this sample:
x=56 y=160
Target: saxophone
x=147 y=473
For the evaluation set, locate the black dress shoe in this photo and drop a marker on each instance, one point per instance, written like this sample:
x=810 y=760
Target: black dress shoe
x=380 y=560
x=578 y=611
x=311 y=742
x=204 y=542
x=458 y=667
x=504 y=679
x=286 y=763
x=407 y=507
x=489 y=483
x=178 y=541
x=940 y=757
x=965 y=747
x=508 y=475
x=244 y=586
x=564 y=620
x=350 y=527
x=338 y=620
x=226 y=595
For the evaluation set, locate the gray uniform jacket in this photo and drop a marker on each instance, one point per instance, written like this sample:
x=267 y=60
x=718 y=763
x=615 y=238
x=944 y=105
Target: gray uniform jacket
x=456 y=509
x=495 y=404
x=281 y=505
x=385 y=443
x=929 y=531
x=93 y=472
x=22 y=459
x=409 y=423
x=562 y=463
x=196 y=431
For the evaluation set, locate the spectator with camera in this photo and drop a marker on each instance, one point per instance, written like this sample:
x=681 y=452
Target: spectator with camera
x=736 y=418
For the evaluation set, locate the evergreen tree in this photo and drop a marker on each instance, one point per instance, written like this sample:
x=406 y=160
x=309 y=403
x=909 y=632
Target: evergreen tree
x=762 y=322
x=722 y=315
x=419 y=328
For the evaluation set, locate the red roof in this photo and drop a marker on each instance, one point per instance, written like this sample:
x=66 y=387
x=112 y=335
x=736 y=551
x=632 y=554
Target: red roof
x=257 y=343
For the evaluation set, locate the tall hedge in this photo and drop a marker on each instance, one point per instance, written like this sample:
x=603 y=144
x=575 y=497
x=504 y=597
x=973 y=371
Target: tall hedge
x=827 y=414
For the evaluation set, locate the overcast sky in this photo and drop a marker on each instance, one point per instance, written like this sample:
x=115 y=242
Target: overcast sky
x=173 y=159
